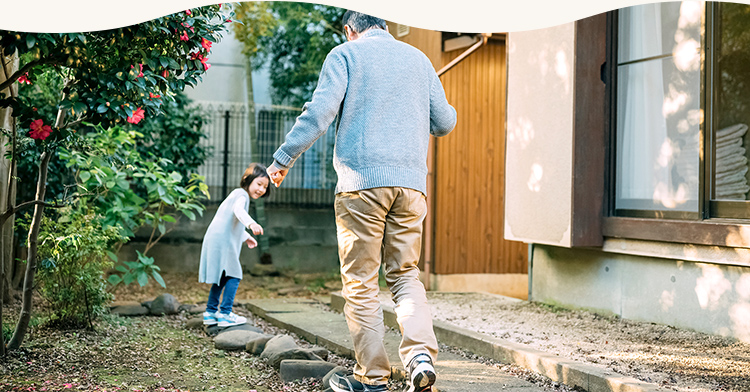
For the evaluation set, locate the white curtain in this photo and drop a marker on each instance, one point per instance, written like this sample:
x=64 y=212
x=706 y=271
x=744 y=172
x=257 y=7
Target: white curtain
x=642 y=126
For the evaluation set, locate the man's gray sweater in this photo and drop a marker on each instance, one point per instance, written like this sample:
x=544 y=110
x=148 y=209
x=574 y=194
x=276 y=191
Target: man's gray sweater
x=389 y=100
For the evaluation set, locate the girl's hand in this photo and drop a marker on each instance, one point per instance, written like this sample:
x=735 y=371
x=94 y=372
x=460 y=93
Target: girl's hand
x=256 y=229
x=251 y=243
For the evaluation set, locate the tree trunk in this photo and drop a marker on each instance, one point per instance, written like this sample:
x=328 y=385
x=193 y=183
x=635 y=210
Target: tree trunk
x=260 y=208
x=28 y=283
x=9 y=65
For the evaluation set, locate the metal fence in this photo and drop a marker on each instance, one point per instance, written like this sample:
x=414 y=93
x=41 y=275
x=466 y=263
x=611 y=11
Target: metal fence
x=311 y=181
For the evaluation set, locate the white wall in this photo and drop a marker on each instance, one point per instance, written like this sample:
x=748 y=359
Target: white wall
x=539 y=137
x=226 y=80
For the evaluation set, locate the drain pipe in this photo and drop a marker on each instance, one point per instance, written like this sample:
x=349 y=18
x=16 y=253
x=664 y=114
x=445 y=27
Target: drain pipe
x=483 y=41
x=429 y=222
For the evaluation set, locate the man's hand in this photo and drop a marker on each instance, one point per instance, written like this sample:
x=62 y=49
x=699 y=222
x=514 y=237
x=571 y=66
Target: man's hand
x=276 y=174
x=256 y=228
x=251 y=243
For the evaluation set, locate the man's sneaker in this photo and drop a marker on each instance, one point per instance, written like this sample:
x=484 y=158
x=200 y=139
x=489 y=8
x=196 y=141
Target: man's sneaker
x=347 y=383
x=227 y=320
x=421 y=374
x=209 y=318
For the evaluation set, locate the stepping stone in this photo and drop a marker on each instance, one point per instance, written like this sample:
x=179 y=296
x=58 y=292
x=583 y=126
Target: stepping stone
x=283 y=347
x=256 y=346
x=234 y=340
x=213 y=330
x=296 y=369
x=164 y=304
x=128 y=308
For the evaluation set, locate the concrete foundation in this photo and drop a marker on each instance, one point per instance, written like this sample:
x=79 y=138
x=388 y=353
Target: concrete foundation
x=710 y=298
x=303 y=240
x=509 y=285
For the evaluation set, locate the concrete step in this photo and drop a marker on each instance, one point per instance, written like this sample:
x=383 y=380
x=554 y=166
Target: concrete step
x=310 y=321
x=563 y=370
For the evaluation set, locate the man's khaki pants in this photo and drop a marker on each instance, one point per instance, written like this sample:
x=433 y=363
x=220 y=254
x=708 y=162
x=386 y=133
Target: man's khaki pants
x=373 y=225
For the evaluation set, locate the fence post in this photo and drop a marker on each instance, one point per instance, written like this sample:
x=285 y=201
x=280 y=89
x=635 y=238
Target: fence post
x=225 y=173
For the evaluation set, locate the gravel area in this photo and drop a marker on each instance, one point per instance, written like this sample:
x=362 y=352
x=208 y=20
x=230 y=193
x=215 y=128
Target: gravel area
x=675 y=359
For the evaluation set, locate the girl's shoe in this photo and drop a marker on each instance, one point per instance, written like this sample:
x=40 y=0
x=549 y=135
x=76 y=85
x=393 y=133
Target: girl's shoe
x=227 y=320
x=209 y=318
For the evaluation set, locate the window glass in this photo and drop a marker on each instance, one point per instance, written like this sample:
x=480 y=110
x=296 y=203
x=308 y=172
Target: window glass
x=658 y=107
x=732 y=102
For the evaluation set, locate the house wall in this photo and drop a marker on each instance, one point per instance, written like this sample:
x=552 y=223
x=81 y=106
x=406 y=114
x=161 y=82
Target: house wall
x=539 y=138
x=686 y=286
x=470 y=171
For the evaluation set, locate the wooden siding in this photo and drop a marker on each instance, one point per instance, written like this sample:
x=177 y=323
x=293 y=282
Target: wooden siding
x=470 y=171
x=468 y=166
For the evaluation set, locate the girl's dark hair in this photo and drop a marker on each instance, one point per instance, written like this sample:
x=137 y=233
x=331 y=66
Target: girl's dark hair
x=253 y=171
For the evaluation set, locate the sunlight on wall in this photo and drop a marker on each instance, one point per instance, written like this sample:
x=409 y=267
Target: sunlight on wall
x=740 y=316
x=535 y=180
x=521 y=130
x=561 y=69
x=667 y=300
x=711 y=286
x=740 y=313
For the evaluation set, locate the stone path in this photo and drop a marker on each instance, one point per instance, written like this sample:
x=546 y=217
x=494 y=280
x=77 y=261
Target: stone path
x=329 y=330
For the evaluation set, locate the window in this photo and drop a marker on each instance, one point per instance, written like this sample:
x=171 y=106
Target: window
x=680 y=120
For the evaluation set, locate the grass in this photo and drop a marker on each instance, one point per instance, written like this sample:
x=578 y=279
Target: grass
x=144 y=353
x=139 y=354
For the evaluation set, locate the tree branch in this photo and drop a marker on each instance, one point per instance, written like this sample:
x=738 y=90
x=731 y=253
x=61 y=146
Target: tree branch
x=13 y=209
x=17 y=74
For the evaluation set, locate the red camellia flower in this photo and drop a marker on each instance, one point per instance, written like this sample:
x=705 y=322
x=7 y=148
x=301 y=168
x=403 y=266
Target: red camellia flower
x=152 y=96
x=199 y=56
x=24 y=79
x=191 y=28
x=137 y=116
x=39 y=131
x=206 y=44
x=184 y=36
x=140 y=73
x=188 y=12
x=165 y=73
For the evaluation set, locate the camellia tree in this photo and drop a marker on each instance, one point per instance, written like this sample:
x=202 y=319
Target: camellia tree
x=109 y=77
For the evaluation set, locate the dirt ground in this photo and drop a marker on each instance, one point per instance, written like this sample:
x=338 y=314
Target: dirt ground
x=676 y=359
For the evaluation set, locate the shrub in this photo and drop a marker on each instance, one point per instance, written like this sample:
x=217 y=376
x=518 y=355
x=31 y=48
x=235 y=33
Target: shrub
x=73 y=254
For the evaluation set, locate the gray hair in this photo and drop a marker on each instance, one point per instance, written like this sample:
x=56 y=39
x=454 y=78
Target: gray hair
x=360 y=22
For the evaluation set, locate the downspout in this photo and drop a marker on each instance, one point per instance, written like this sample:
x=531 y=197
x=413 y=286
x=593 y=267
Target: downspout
x=472 y=49
x=430 y=224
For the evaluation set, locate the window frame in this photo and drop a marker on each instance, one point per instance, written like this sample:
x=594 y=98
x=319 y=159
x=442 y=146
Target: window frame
x=720 y=223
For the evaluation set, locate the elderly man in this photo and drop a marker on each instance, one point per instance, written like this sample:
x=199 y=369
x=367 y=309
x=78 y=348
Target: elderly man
x=389 y=101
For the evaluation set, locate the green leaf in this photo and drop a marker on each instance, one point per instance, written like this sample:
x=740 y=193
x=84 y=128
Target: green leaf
x=122 y=269
x=114 y=280
x=142 y=278
x=168 y=218
x=102 y=108
x=158 y=279
x=112 y=256
x=85 y=176
x=128 y=278
x=189 y=214
x=30 y=40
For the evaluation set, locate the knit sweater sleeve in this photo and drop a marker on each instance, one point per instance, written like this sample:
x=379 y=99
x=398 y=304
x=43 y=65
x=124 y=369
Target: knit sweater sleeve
x=442 y=114
x=318 y=114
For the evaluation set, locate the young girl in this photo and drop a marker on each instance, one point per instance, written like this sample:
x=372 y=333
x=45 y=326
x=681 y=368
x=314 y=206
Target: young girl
x=220 y=252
